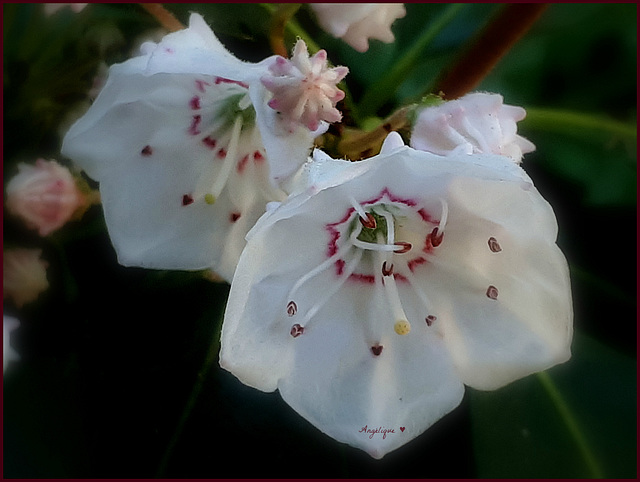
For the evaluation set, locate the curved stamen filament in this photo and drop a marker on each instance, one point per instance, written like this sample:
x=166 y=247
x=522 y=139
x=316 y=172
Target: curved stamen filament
x=348 y=271
x=443 y=218
x=365 y=217
x=229 y=162
x=327 y=263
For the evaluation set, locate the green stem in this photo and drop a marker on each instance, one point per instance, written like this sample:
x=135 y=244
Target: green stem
x=208 y=363
x=383 y=89
x=571 y=424
x=564 y=121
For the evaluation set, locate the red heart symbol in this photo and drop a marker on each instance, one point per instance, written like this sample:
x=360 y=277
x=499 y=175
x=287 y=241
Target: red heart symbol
x=402 y=429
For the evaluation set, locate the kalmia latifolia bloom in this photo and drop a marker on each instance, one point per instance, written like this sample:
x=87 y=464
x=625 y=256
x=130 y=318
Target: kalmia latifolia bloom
x=44 y=195
x=304 y=89
x=475 y=123
x=187 y=152
x=356 y=23
x=373 y=296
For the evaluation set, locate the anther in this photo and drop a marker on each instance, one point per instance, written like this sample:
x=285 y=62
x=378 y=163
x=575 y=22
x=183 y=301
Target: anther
x=494 y=246
x=492 y=292
x=187 y=199
x=292 y=308
x=402 y=327
x=436 y=237
x=369 y=222
x=430 y=319
x=376 y=350
x=387 y=270
x=146 y=151
x=297 y=330
x=404 y=247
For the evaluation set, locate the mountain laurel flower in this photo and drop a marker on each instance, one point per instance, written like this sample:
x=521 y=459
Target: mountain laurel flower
x=187 y=152
x=373 y=296
x=304 y=89
x=9 y=324
x=475 y=123
x=356 y=23
x=24 y=275
x=44 y=195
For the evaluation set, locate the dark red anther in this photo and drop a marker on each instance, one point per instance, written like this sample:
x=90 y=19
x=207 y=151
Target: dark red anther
x=222 y=153
x=297 y=330
x=404 y=247
x=292 y=309
x=436 y=239
x=492 y=292
x=494 y=246
x=430 y=319
x=376 y=350
x=387 y=270
x=370 y=222
x=146 y=151
x=187 y=199
x=233 y=217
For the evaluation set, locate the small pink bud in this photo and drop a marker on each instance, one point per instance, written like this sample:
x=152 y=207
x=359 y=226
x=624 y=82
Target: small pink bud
x=45 y=196
x=24 y=275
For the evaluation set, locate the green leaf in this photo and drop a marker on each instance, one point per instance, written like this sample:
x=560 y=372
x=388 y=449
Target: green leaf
x=575 y=420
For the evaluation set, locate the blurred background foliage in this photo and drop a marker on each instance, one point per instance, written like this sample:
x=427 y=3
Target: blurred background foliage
x=119 y=375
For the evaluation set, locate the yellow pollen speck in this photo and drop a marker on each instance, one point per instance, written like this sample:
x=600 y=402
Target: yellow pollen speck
x=209 y=198
x=402 y=327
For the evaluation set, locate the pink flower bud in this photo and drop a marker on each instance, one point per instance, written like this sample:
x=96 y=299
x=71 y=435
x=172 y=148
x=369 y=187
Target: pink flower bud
x=356 y=23
x=24 y=275
x=45 y=196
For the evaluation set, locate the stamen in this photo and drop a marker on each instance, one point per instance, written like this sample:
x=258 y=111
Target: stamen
x=402 y=247
x=376 y=349
x=292 y=308
x=436 y=238
x=350 y=268
x=430 y=319
x=367 y=219
x=443 y=218
x=387 y=270
x=369 y=222
x=229 y=161
x=492 y=292
x=494 y=246
x=297 y=330
x=378 y=247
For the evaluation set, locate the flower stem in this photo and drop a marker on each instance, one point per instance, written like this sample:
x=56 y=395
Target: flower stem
x=571 y=424
x=487 y=48
x=382 y=90
x=163 y=16
x=279 y=20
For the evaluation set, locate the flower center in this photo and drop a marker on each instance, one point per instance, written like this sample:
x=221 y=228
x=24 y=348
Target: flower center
x=222 y=121
x=380 y=242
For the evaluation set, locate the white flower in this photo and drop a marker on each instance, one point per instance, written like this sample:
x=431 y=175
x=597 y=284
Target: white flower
x=44 y=195
x=356 y=23
x=24 y=275
x=474 y=123
x=187 y=152
x=372 y=297
x=304 y=89
x=8 y=353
